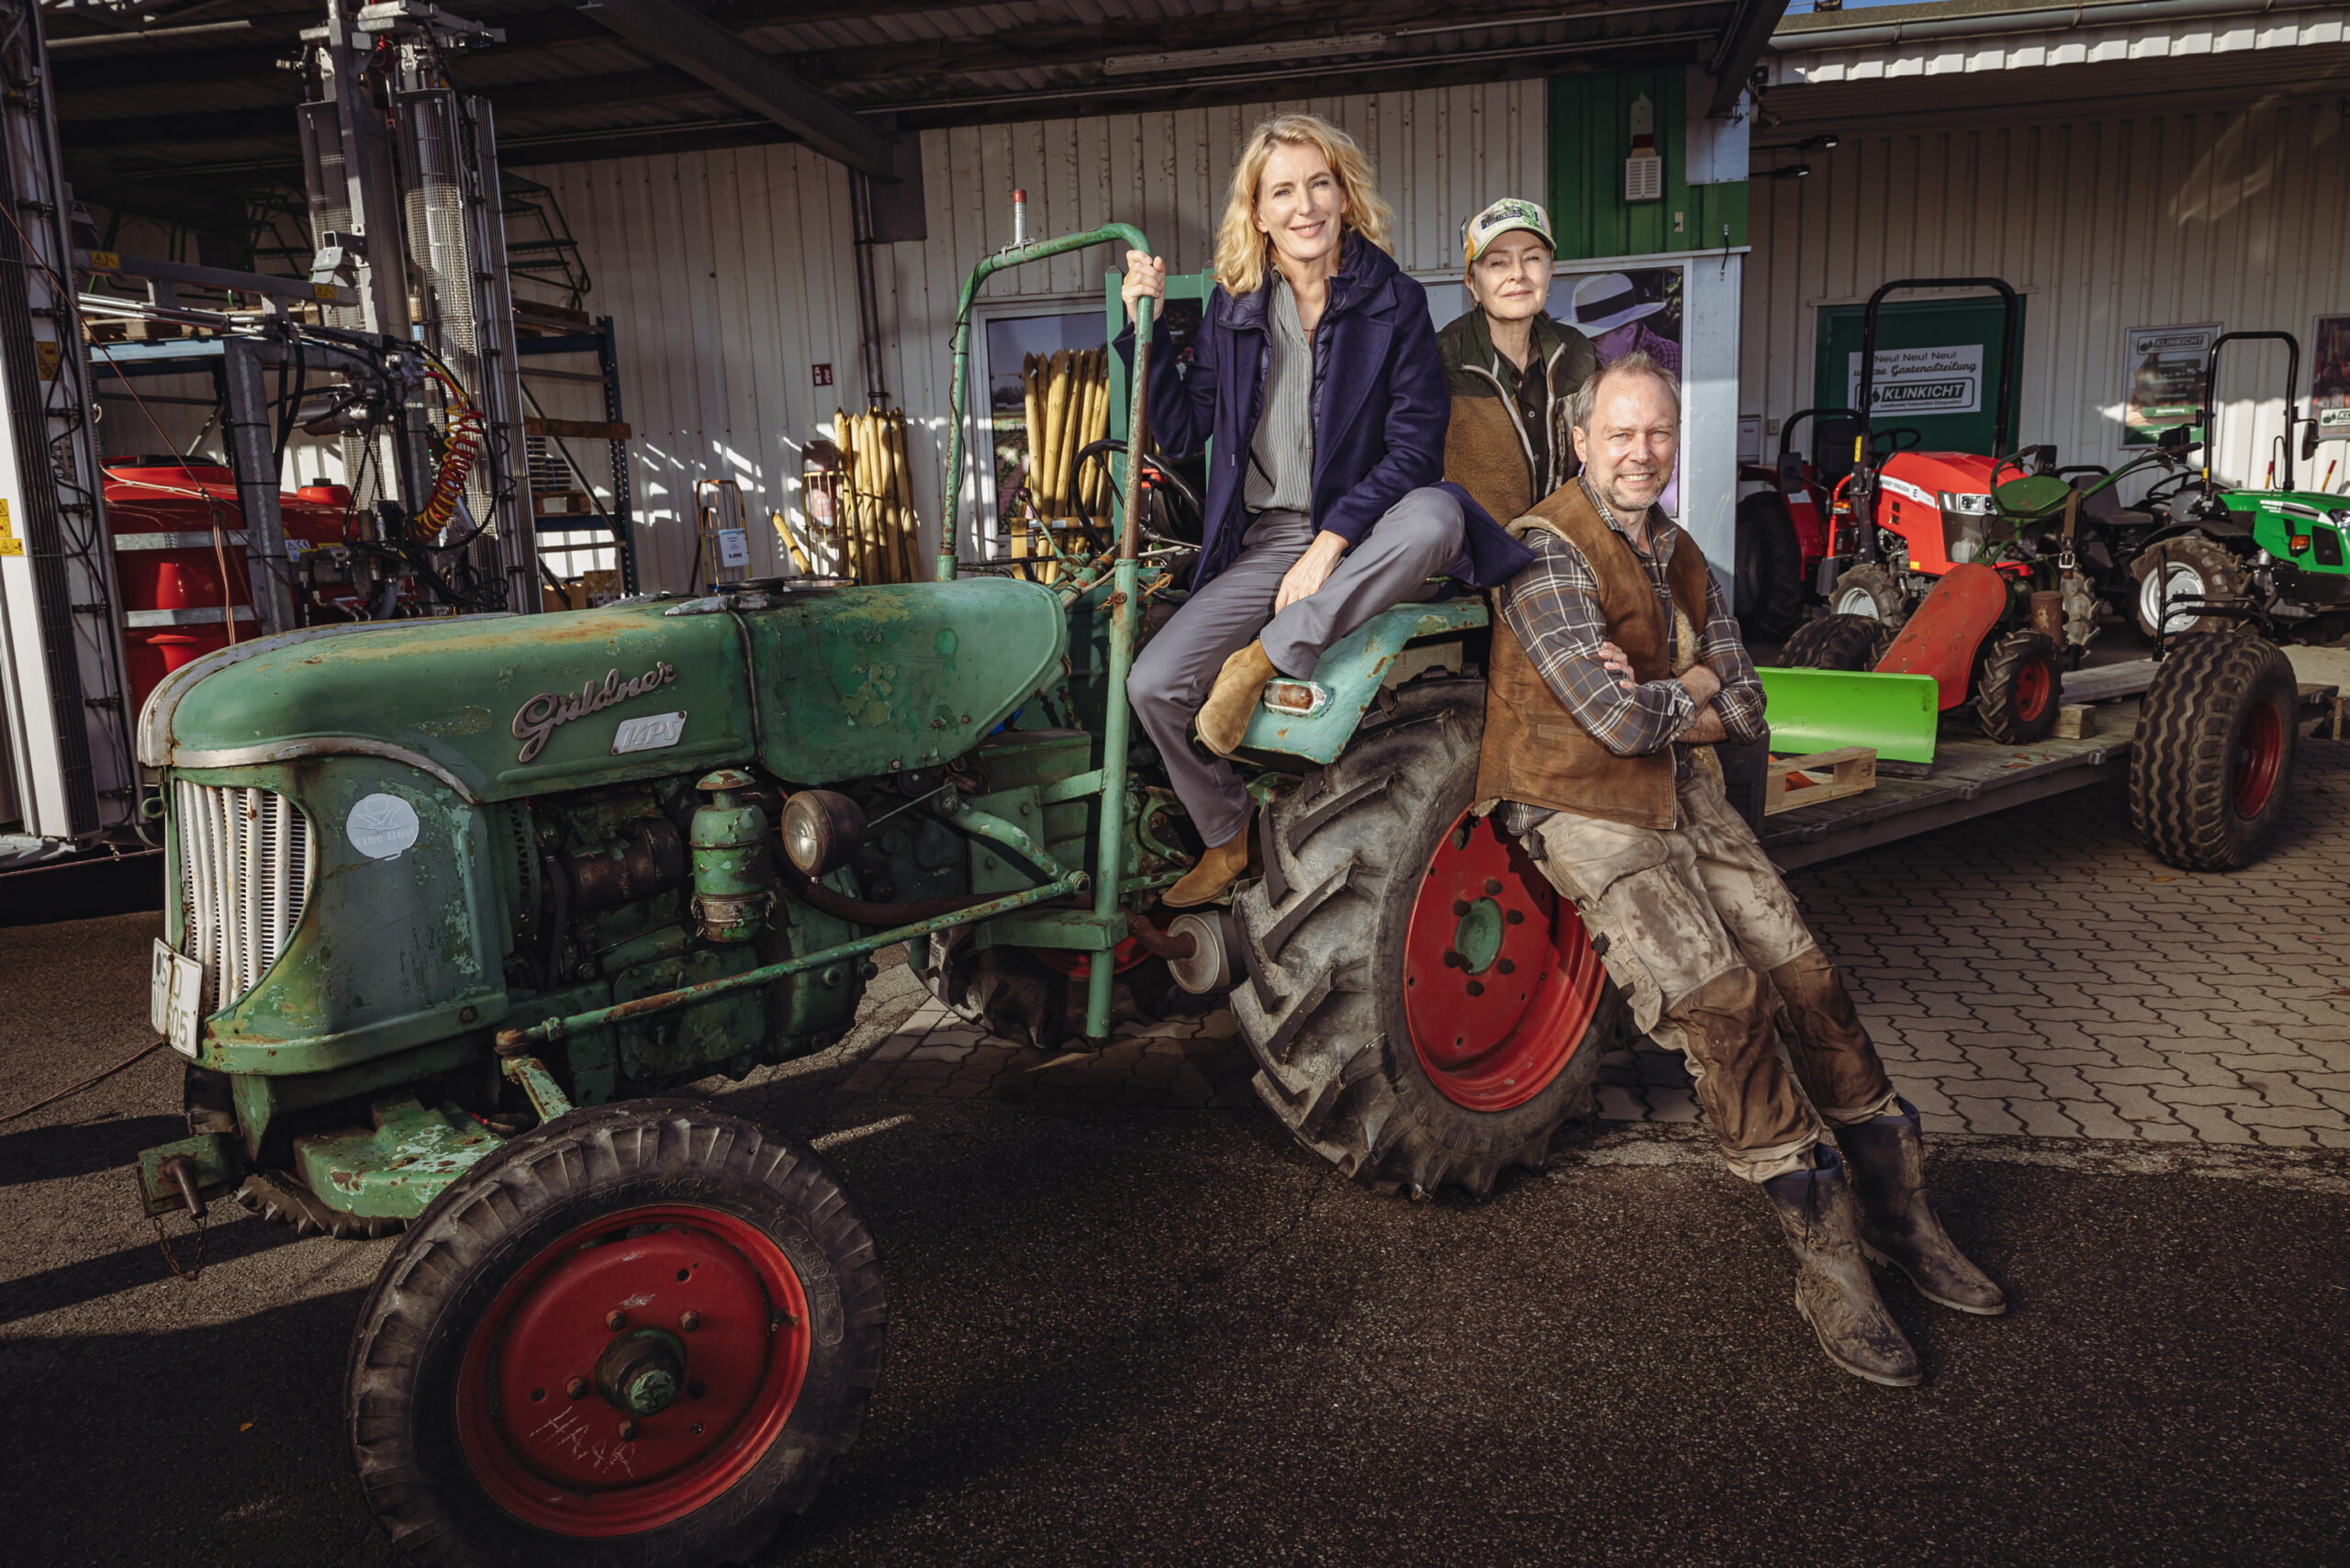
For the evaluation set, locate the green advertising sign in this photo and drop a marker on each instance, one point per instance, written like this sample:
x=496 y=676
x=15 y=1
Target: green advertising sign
x=1936 y=368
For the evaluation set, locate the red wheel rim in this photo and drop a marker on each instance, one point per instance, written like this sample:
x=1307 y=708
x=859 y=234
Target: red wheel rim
x=2260 y=753
x=555 y=1458
x=1496 y=1005
x=1067 y=961
x=2034 y=686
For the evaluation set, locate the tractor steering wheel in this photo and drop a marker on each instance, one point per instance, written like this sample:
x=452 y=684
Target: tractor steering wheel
x=1167 y=500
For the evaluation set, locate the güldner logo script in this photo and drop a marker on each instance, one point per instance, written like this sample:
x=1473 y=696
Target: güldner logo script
x=544 y=714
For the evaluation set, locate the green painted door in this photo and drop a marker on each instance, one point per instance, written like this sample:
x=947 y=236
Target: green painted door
x=1937 y=373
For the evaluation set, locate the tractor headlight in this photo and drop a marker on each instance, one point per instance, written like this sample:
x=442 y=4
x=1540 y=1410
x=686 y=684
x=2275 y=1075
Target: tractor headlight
x=1962 y=526
x=822 y=828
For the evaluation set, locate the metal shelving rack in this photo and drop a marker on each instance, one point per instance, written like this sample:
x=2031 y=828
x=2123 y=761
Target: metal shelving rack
x=619 y=524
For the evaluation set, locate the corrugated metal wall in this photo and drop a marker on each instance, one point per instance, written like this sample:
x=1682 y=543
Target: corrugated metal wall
x=2230 y=215
x=729 y=275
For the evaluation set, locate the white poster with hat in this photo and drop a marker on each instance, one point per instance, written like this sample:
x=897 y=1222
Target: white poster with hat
x=1626 y=310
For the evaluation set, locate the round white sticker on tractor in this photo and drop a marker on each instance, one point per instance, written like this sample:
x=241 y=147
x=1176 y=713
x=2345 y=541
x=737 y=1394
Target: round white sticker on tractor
x=381 y=826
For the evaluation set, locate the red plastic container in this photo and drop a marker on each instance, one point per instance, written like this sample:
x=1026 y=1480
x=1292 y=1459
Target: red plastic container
x=168 y=559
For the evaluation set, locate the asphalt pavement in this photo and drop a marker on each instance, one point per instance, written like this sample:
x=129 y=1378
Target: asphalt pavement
x=1161 y=1335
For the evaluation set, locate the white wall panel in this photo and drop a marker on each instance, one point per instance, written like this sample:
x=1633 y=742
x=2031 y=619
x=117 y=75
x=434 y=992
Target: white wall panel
x=728 y=275
x=2106 y=223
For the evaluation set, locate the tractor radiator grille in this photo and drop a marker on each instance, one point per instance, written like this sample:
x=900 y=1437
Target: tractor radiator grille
x=244 y=873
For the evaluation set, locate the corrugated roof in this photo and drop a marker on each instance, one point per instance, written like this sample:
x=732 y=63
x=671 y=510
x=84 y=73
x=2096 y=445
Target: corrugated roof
x=211 y=104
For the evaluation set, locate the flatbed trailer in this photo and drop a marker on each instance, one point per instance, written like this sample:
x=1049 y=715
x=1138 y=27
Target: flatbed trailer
x=1972 y=776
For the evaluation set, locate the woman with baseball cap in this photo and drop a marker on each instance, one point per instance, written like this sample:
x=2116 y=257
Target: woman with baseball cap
x=1510 y=369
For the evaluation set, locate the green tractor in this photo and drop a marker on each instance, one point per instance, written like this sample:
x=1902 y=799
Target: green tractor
x=2276 y=558
x=458 y=907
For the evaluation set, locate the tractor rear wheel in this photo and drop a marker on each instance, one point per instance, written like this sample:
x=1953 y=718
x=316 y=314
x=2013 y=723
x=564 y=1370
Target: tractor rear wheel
x=1769 y=602
x=2017 y=696
x=1870 y=591
x=1423 y=1006
x=2189 y=566
x=1837 y=642
x=2213 y=757
x=638 y=1334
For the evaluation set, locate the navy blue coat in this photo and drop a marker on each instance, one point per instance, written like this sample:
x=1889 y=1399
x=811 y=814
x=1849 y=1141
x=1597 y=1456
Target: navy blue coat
x=1380 y=410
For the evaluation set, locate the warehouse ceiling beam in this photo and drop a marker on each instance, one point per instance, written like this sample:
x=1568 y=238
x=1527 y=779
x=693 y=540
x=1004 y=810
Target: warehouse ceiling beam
x=1742 y=51
x=1395 y=23
x=739 y=74
x=561 y=147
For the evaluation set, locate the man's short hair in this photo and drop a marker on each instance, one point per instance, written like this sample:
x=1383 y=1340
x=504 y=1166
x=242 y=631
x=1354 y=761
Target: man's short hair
x=1633 y=364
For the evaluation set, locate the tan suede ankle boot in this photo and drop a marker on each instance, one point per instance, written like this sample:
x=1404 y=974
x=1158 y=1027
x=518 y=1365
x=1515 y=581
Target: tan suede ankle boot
x=1224 y=717
x=1217 y=870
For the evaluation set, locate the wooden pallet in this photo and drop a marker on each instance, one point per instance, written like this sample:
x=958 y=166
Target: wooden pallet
x=1818 y=776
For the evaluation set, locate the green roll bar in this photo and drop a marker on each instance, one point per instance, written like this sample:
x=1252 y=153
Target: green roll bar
x=1125 y=610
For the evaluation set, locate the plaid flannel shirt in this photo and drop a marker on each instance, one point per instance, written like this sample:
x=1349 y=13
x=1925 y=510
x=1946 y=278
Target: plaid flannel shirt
x=1553 y=608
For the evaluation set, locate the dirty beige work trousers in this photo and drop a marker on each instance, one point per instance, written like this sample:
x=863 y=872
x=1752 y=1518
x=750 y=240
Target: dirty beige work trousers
x=1700 y=933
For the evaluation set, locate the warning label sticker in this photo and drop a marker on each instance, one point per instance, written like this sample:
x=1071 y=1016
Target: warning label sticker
x=1946 y=380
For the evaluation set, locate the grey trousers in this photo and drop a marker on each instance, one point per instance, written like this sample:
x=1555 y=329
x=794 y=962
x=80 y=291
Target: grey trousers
x=1419 y=538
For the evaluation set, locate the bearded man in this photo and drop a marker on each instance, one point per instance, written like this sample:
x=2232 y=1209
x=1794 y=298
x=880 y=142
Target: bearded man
x=1616 y=666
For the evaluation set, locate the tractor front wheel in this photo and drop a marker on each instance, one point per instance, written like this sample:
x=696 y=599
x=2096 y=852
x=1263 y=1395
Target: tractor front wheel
x=638 y=1334
x=1837 y=642
x=2017 y=696
x=2189 y=566
x=2213 y=757
x=1423 y=1006
x=1870 y=591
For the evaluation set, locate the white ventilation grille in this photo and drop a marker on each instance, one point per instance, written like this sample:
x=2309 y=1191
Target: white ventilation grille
x=245 y=859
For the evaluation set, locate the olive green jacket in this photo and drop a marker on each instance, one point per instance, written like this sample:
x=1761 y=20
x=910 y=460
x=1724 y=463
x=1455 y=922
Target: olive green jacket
x=1486 y=450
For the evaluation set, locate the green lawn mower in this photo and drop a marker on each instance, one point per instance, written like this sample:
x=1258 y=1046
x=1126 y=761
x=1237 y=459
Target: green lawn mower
x=459 y=908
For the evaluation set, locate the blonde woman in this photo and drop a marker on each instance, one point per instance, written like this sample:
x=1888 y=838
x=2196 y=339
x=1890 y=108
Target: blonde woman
x=1316 y=378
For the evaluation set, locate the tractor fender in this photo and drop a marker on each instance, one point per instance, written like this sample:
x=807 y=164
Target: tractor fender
x=1317 y=718
x=1941 y=638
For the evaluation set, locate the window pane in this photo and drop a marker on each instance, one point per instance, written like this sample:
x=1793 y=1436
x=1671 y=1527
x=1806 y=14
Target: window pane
x=1012 y=342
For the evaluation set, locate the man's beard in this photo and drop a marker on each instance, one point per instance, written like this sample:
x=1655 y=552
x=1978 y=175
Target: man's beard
x=1620 y=498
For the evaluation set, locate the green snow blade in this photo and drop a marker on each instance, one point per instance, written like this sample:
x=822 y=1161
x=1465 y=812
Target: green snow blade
x=1820 y=709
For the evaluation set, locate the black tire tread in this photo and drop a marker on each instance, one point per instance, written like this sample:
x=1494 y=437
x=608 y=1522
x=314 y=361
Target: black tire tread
x=1995 y=692
x=1769 y=568
x=2223 y=574
x=2182 y=762
x=525 y=1193
x=1311 y=1010
x=1835 y=642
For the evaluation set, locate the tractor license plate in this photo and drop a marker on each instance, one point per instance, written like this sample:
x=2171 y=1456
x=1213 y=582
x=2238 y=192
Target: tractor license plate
x=175 y=996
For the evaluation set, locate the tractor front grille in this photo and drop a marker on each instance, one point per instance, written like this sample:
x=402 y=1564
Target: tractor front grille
x=244 y=874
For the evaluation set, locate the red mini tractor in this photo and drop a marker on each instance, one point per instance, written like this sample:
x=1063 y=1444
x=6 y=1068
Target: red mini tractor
x=2009 y=608
x=1785 y=532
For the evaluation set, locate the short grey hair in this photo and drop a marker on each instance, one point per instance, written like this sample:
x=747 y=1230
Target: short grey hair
x=1637 y=363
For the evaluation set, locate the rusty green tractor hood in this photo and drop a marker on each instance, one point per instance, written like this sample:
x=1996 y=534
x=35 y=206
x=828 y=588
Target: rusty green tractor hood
x=818 y=685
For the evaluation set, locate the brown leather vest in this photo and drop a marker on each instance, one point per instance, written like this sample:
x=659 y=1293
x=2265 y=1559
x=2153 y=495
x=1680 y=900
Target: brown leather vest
x=1535 y=750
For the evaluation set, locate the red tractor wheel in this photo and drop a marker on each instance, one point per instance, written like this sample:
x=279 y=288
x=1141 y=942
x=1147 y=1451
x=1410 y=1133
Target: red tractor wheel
x=1423 y=1008
x=639 y=1334
x=2214 y=758
x=1500 y=981
x=2017 y=696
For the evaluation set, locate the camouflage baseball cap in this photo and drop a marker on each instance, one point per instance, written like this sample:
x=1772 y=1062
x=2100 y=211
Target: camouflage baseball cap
x=1510 y=212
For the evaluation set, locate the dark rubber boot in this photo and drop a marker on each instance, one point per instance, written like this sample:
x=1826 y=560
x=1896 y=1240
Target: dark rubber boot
x=1833 y=1290
x=1889 y=1165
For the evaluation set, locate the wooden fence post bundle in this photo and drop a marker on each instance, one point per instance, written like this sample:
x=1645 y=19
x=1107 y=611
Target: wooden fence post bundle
x=901 y=480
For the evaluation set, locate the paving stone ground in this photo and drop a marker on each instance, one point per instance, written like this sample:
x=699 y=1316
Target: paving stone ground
x=2035 y=973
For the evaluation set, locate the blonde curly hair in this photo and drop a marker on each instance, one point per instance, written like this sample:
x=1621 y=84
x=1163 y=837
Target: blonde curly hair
x=1240 y=250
